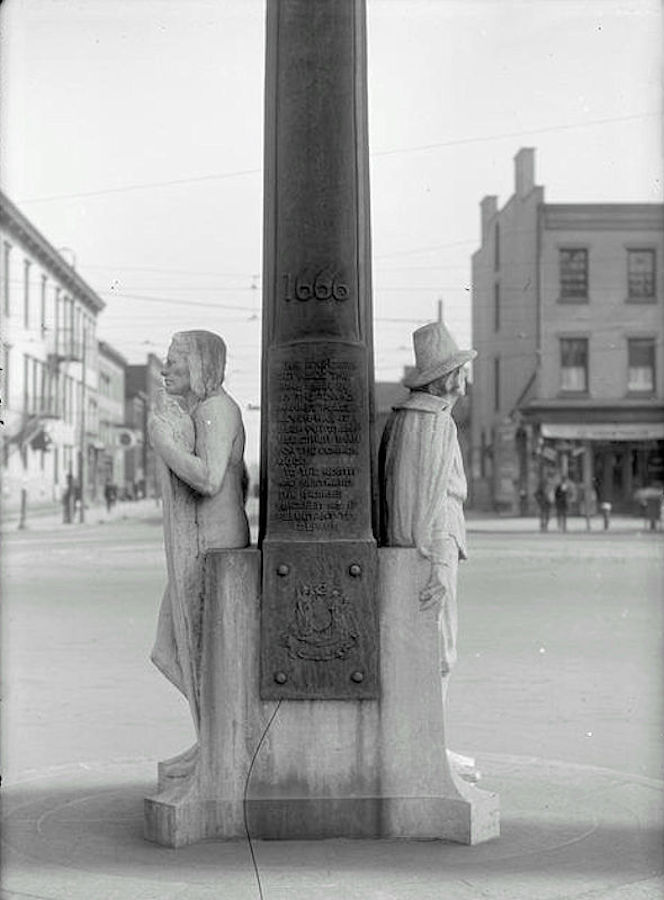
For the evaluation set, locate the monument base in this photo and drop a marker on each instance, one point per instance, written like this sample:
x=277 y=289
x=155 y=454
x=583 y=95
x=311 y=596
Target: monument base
x=309 y=770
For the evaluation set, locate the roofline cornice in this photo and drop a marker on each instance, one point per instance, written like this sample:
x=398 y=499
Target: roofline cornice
x=604 y=216
x=20 y=226
x=111 y=353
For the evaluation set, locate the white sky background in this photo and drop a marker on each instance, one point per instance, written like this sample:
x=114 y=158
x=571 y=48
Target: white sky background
x=132 y=134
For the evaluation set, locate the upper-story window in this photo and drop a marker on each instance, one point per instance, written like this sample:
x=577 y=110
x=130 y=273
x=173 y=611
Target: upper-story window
x=56 y=314
x=573 y=264
x=6 y=271
x=6 y=358
x=496 y=307
x=105 y=384
x=496 y=247
x=641 y=275
x=641 y=365
x=26 y=293
x=66 y=336
x=42 y=305
x=574 y=365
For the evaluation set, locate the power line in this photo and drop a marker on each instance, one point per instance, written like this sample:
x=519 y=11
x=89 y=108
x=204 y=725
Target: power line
x=144 y=186
x=175 y=302
x=218 y=176
x=250 y=311
x=243 y=290
x=512 y=134
x=170 y=271
x=428 y=249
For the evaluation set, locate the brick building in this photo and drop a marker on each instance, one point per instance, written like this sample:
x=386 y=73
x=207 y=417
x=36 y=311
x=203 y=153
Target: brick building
x=568 y=319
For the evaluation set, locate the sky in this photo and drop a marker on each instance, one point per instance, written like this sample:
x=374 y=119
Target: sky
x=131 y=134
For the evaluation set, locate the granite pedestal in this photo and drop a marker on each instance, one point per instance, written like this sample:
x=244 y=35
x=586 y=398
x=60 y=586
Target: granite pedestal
x=354 y=769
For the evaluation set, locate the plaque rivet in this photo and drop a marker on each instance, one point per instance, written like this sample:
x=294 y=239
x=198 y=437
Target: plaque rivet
x=280 y=677
x=355 y=570
x=283 y=569
x=357 y=677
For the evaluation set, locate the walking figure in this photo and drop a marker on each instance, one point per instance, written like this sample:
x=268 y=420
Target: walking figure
x=110 y=494
x=561 y=497
x=544 y=499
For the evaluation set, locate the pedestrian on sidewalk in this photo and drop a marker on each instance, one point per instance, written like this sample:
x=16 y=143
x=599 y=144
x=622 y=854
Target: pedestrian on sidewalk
x=110 y=494
x=544 y=499
x=561 y=498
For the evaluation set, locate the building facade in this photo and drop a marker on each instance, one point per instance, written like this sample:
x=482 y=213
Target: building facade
x=114 y=436
x=48 y=320
x=568 y=319
x=142 y=383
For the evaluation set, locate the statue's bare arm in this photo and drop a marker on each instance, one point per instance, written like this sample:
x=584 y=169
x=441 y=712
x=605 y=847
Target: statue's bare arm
x=216 y=429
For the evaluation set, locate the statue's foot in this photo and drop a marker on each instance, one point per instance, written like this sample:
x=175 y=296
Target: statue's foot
x=180 y=766
x=464 y=766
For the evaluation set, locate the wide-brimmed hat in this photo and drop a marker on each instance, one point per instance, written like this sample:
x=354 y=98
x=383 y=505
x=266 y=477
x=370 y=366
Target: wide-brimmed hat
x=436 y=354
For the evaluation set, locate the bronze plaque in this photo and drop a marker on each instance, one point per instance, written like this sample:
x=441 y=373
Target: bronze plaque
x=319 y=622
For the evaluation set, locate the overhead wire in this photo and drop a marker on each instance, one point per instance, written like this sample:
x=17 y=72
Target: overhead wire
x=215 y=176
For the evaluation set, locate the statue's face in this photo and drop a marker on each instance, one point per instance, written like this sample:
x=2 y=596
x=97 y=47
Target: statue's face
x=176 y=372
x=458 y=381
x=452 y=385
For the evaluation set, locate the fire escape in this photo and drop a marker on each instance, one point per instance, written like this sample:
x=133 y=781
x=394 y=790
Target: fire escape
x=48 y=403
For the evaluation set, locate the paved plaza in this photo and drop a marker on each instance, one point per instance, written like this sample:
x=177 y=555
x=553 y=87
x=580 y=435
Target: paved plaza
x=557 y=693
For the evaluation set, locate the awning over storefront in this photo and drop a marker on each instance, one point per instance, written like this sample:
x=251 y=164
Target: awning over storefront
x=605 y=431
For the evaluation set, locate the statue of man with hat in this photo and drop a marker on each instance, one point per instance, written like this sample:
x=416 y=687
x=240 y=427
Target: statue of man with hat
x=423 y=485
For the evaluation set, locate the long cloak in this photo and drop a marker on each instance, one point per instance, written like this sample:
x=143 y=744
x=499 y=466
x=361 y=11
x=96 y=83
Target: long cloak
x=178 y=627
x=418 y=452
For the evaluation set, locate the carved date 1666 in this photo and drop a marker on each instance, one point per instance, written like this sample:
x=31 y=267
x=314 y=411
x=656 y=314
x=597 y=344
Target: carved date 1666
x=324 y=286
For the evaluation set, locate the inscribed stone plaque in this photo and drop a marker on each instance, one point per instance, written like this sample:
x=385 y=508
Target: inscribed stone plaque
x=319 y=473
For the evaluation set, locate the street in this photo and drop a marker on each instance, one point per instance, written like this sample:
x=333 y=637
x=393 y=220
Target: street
x=560 y=655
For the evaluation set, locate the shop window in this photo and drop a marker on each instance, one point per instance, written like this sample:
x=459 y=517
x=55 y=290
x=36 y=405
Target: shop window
x=573 y=265
x=640 y=276
x=574 y=365
x=641 y=365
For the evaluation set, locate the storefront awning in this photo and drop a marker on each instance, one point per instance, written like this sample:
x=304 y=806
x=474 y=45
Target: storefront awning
x=605 y=431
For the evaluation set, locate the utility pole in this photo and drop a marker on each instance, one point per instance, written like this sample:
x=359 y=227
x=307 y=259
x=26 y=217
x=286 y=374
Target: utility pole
x=81 y=451
x=440 y=310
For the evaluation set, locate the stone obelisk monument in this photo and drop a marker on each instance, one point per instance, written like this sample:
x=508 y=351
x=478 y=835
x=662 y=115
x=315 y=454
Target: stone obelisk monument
x=316 y=510
x=321 y=700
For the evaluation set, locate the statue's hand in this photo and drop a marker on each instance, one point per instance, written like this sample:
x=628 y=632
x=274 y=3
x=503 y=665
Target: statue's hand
x=433 y=594
x=159 y=432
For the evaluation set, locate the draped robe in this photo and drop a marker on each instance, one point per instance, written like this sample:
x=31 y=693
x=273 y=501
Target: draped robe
x=193 y=524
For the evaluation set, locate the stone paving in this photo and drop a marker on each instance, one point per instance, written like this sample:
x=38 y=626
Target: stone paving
x=558 y=690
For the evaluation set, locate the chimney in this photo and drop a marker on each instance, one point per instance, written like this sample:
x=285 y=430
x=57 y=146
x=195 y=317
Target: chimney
x=524 y=171
x=488 y=209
